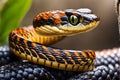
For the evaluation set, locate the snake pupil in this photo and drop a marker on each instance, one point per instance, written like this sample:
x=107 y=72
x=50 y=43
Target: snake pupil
x=73 y=20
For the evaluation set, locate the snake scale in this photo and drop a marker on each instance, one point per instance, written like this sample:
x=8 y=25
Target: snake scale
x=107 y=67
x=32 y=42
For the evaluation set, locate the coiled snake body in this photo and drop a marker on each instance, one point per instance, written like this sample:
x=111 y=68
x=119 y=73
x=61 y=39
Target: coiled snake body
x=49 y=27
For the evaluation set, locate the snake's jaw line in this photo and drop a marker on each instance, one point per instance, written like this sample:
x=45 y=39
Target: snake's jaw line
x=48 y=30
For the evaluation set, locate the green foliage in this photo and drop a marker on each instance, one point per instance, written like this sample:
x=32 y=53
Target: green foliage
x=11 y=14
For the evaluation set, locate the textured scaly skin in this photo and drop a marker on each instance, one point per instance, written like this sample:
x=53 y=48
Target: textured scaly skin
x=53 y=26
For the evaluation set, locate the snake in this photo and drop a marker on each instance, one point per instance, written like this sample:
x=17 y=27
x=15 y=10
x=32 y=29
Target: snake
x=33 y=43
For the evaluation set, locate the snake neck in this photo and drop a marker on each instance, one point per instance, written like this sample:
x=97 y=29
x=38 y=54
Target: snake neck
x=31 y=35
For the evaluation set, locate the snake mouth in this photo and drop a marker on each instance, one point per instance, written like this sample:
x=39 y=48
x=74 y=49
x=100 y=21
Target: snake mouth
x=65 y=30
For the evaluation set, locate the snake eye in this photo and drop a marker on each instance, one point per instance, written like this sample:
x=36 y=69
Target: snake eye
x=73 y=20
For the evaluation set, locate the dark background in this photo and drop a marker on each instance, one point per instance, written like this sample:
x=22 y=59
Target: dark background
x=103 y=37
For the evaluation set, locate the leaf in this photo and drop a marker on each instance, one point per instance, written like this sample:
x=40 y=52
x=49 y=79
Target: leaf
x=11 y=15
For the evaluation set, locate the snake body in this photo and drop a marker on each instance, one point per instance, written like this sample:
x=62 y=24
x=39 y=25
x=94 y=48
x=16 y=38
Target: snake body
x=32 y=42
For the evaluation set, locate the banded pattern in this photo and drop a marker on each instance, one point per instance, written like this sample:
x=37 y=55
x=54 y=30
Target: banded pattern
x=107 y=67
x=29 y=44
x=51 y=57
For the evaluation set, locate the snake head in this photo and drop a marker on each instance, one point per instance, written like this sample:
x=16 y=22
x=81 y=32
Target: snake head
x=68 y=22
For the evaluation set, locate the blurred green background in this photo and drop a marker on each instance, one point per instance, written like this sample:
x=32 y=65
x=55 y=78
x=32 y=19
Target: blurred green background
x=11 y=14
x=104 y=36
